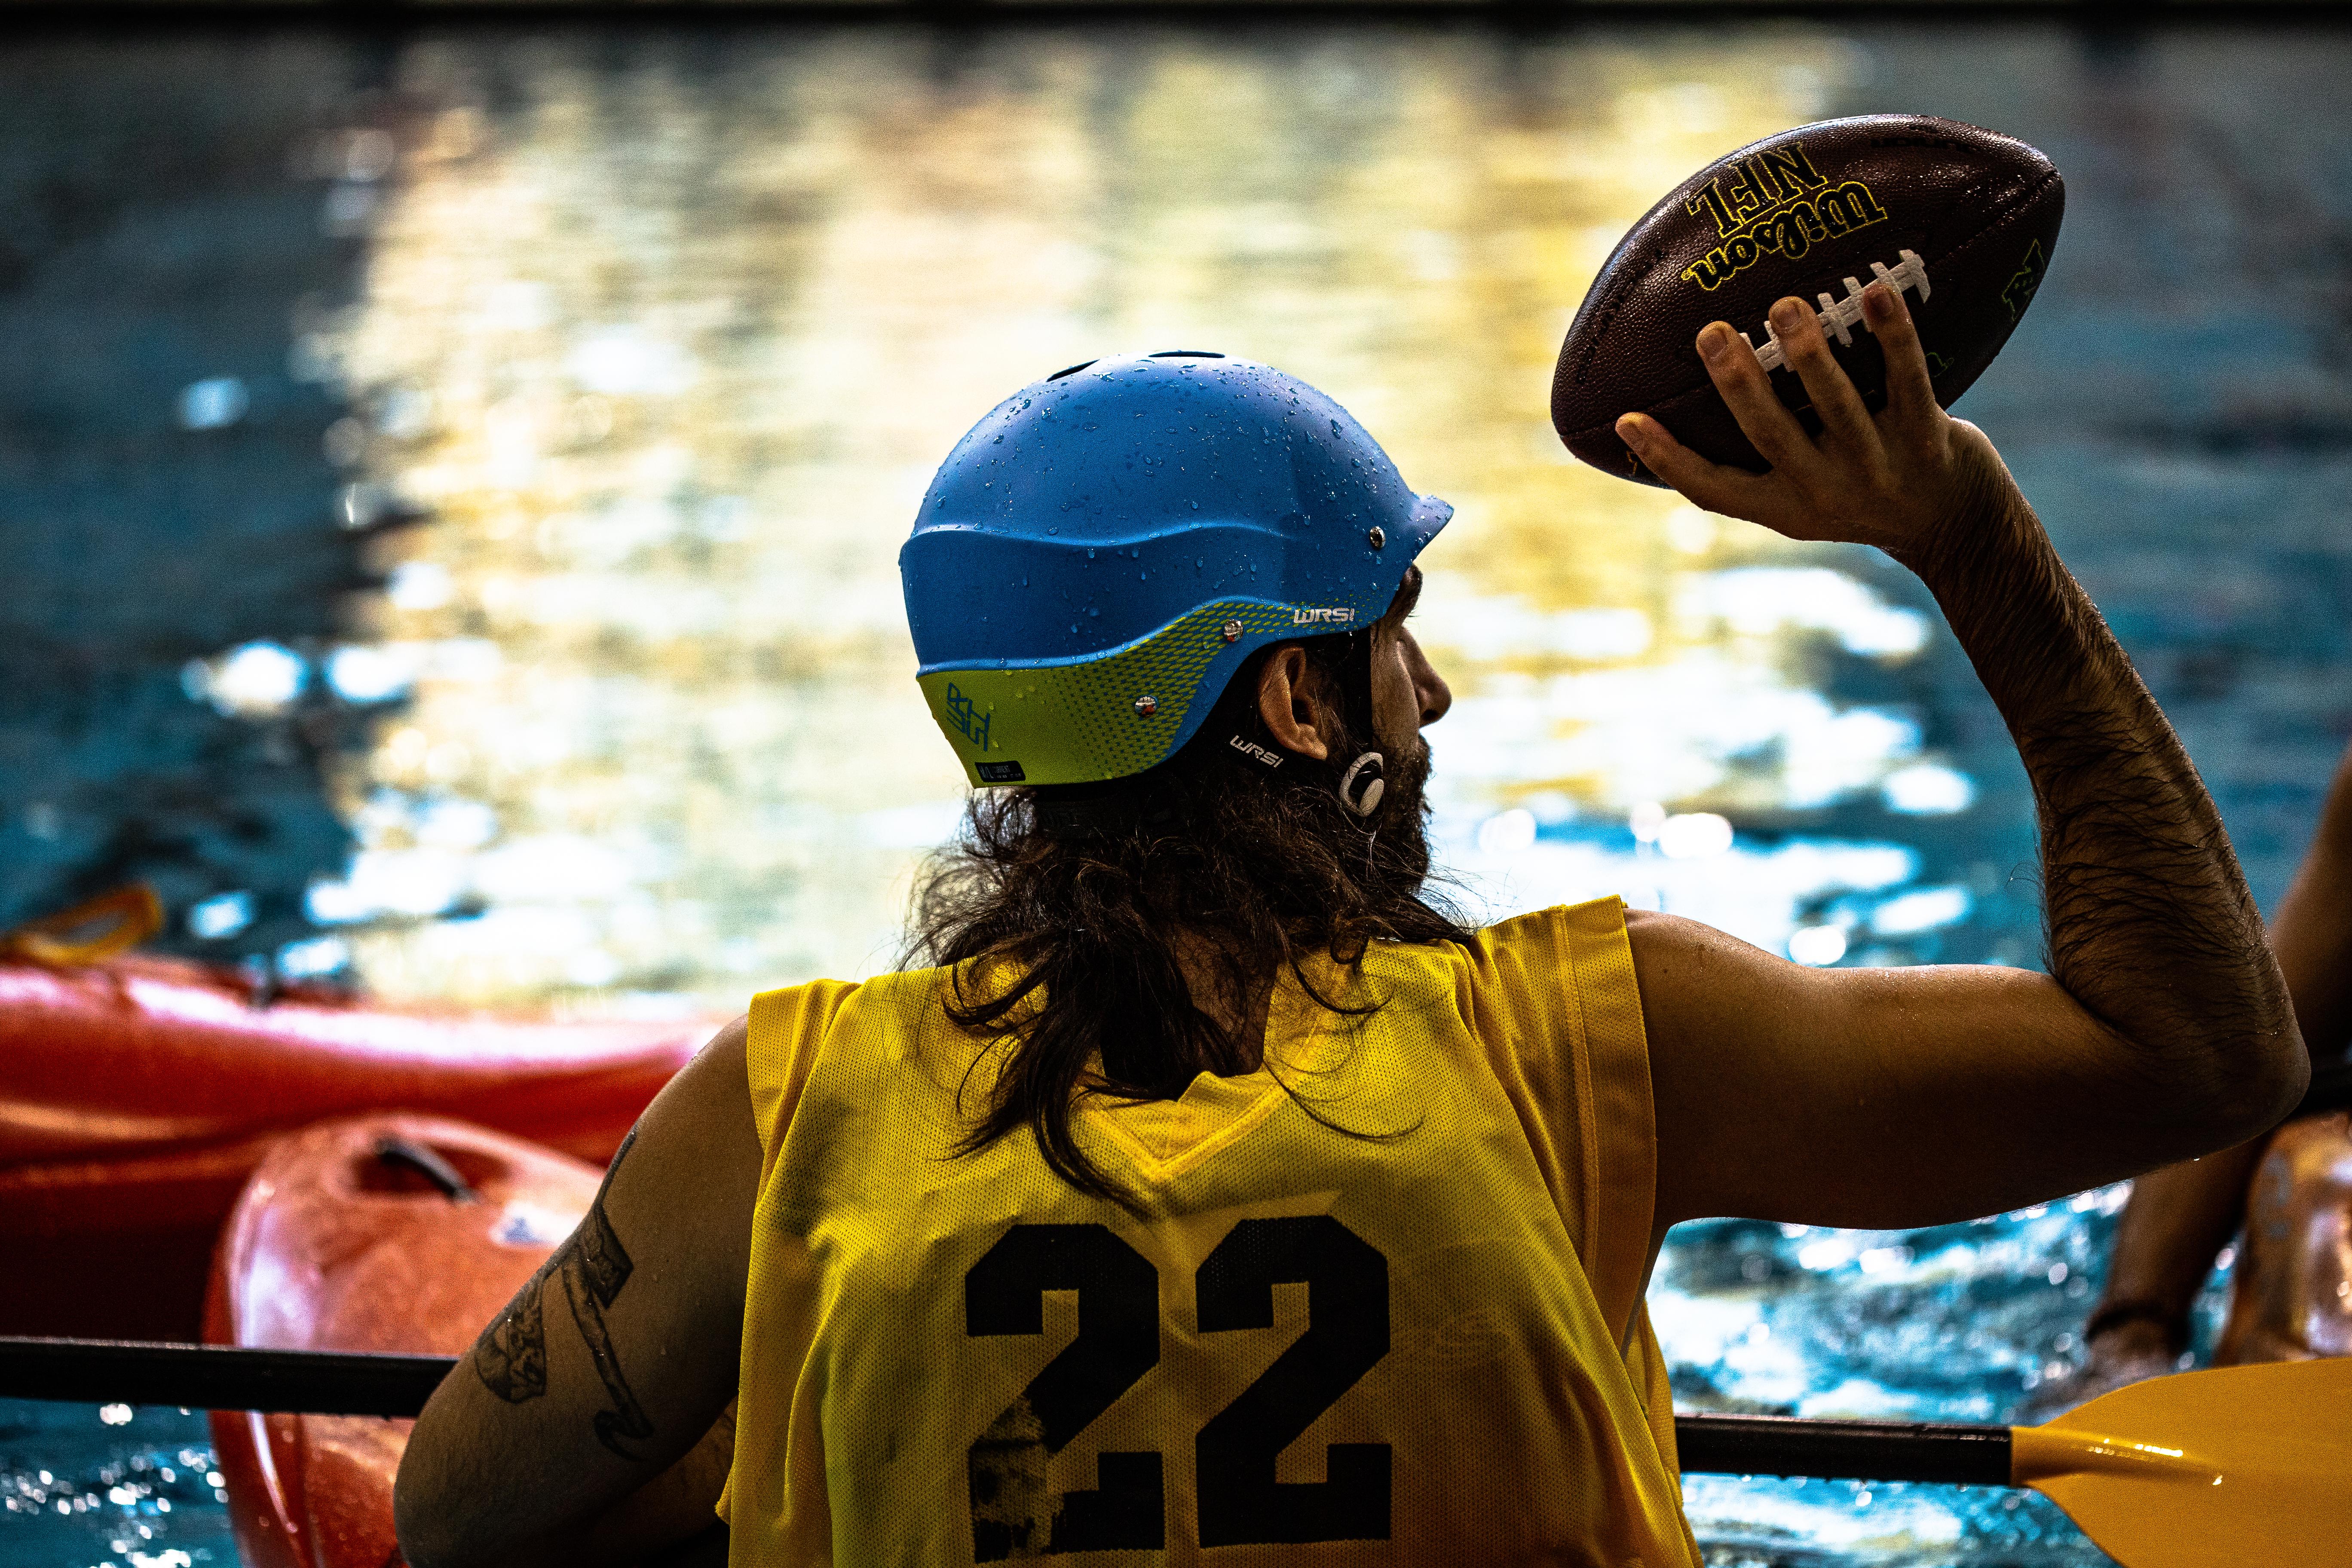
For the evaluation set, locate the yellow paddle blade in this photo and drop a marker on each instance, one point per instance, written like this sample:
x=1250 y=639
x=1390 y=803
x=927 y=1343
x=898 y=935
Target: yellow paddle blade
x=2236 y=1465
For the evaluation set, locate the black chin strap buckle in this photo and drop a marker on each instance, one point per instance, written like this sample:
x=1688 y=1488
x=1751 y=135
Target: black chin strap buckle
x=1362 y=786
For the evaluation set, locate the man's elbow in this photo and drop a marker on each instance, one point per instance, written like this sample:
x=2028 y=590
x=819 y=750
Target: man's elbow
x=2280 y=1084
x=2245 y=1088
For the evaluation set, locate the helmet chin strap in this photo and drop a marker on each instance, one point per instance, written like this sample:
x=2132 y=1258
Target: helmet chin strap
x=1363 y=781
x=1362 y=786
x=1236 y=732
x=1358 y=784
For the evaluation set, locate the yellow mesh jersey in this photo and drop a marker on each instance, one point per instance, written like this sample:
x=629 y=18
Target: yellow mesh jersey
x=1422 y=1343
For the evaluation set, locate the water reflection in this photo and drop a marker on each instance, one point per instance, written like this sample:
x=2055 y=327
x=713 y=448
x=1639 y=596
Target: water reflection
x=665 y=332
x=166 y=566
x=670 y=352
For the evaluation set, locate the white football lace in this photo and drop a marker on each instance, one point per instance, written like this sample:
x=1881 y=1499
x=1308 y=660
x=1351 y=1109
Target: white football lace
x=1837 y=315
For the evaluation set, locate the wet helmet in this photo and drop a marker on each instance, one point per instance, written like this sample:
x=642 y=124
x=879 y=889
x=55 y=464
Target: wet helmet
x=1100 y=553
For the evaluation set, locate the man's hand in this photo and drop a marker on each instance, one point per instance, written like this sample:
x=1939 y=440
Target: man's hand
x=1903 y=479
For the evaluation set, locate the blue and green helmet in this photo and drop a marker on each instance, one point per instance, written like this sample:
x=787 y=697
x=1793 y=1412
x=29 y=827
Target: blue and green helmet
x=1099 y=554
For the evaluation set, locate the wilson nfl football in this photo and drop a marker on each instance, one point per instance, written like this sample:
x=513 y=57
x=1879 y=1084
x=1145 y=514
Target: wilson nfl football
x=1963 y=221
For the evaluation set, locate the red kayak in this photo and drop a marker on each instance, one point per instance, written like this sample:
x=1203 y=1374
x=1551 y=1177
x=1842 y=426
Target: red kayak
x=374 y=1233
x=139 y=1093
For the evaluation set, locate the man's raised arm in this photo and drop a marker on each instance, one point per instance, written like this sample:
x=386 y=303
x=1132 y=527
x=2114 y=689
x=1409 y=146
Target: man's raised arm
x=1904 y=1097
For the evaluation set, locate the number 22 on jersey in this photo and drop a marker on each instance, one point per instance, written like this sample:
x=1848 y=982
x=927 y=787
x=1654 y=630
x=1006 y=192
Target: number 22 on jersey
x=1240 y=1501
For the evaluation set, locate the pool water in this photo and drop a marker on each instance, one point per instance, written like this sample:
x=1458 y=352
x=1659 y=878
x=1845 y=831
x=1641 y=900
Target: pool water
x=83 y=1485
x=454 y=479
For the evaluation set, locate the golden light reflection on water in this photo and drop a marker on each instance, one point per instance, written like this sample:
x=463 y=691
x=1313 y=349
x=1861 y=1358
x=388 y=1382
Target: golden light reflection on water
x=671 y=349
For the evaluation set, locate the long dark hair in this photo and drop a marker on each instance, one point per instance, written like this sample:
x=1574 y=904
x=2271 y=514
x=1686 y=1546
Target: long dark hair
x=1089 y=902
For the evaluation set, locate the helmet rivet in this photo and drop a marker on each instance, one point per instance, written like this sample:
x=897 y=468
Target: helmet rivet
x=1379 y=537
x=1233 y=631
x=1145 y=707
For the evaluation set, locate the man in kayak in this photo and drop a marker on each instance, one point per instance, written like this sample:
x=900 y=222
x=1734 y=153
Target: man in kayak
x=1216 y=1194
x=2290 y=1189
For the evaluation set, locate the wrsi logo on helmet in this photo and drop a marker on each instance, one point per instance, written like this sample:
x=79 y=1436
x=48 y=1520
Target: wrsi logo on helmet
x=1099 y=555
x=1255 y=752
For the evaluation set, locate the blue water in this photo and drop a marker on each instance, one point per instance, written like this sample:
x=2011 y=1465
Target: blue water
x=175 y=248
x=83 y=1486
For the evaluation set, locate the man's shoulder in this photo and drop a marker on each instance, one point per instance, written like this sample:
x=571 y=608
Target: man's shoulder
x=894 y=1012
x=791 y=1019
x=827 y=994
x=1539 y=948
x=1547 y=936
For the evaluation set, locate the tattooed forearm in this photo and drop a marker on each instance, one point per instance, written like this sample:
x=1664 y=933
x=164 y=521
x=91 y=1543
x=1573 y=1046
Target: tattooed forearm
x=598 y=1270
x=511 y=1355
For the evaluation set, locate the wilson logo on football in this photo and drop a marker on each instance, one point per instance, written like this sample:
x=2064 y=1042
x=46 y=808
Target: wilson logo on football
x=2025 y=280
x=1836 y=316
x=1775 y=202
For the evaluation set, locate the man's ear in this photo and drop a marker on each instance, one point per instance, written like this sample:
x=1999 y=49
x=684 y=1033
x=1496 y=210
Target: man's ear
x=1290 y=700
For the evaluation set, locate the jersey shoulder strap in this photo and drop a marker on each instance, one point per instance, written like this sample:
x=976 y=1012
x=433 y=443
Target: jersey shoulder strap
x=787 y=1028
x=1552 y=998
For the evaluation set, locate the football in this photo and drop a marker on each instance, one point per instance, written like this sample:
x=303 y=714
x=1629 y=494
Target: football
x=1963 y=221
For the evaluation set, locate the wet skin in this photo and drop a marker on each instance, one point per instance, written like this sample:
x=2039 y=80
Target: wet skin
x=2294 y=1296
